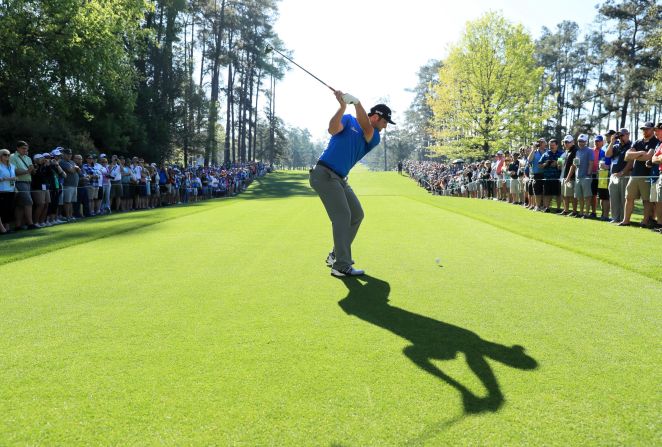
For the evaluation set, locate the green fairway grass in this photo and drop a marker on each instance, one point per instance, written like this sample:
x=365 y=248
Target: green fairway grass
x=219 y=324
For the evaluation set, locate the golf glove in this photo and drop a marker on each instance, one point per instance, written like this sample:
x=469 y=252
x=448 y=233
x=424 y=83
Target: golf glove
x=349 y=99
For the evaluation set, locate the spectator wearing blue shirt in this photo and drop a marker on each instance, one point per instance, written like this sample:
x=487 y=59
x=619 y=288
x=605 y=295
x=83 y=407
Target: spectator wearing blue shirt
x=538 y=175
x=551 y=173
x=351 y=139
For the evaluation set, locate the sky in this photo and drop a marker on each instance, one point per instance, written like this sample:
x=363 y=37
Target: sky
x=373 y=49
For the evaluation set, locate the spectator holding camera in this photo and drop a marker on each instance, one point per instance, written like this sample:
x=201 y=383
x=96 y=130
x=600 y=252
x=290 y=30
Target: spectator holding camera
x=55 y=182
x=619 y=144
x=70 y=190
x=641 y=153
x=551 y=173
x=513 y=173
x=536 y=172
x=115 y=174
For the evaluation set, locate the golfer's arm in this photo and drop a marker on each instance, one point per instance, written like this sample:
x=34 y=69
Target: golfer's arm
x=364 y=122
x=335 y=125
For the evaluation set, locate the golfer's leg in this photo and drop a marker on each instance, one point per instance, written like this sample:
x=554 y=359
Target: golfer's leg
x=356 y=212
x=332 y=193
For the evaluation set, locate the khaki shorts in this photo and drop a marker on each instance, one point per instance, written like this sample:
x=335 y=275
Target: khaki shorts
x=514 y=186
x=568 y=188
x=41 y=197
x=656 y=189
x=638 y=188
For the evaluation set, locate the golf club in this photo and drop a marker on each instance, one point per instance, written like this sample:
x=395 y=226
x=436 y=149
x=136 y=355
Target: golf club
x=270 y=48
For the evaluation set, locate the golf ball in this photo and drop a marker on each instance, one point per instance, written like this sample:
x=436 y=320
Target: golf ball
x=437 y=260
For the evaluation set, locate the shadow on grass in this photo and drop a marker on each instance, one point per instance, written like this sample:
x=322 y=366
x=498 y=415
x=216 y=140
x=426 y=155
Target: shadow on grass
x=435 y=340
x=275 y=186
x=25 y=244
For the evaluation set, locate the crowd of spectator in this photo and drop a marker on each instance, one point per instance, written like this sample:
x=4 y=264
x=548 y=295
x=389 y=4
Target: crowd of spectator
x=582 y=181
x=57 y=187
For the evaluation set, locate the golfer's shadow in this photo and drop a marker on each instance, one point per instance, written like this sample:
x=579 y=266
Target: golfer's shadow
x=432 y=339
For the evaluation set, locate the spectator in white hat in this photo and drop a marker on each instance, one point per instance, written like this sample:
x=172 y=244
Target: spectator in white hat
x=583 y=169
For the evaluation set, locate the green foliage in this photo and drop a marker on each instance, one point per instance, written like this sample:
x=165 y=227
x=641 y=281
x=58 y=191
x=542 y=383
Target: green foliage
x=62 y=61
x=488 y=94
x=636 y=48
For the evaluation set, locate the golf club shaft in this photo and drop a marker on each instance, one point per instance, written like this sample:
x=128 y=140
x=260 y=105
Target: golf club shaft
x=327 y=85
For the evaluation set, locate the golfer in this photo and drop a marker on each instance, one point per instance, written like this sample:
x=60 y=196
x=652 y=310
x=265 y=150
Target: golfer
x=351 y=139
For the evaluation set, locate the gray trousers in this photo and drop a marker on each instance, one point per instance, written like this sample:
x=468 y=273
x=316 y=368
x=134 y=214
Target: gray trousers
x=617 y=198
x=343 y=208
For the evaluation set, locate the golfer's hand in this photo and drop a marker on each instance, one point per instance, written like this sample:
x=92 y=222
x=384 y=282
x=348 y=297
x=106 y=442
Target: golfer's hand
x=339 y=96
x=350 y=99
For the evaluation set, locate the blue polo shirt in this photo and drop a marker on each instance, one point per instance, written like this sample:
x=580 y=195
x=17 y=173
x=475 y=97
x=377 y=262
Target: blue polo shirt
x=585 y=156
x=551 y=172
x=347 y=147
x=535 y=163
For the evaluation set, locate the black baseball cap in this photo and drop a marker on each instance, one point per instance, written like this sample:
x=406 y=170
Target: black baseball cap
x=382 y=110
x=647 y=125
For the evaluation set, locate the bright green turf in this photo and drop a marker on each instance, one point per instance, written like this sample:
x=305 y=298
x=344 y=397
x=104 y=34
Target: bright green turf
x=218 y=324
